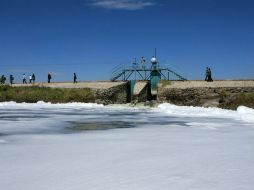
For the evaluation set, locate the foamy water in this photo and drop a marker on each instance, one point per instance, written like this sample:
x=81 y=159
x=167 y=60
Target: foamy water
x=45 y=146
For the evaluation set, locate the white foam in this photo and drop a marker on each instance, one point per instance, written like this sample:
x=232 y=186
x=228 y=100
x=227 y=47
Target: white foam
x=2 y=141
x=41 y=104
x=242 y=113
x=246 y=113
x=157 y=157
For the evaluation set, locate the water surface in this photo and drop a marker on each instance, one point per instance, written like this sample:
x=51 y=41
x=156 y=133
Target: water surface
x=88 y=146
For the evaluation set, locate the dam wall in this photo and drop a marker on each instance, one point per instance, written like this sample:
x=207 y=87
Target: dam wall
x=224 y=94
x=141 y=92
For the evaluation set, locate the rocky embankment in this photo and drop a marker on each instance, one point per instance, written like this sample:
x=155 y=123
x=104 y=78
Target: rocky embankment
x=103 y=92
x=224 y=94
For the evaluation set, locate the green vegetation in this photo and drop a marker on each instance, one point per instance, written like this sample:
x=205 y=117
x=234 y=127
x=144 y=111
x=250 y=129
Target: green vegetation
x=35 y=94
x=223 y=94
x=243 y=99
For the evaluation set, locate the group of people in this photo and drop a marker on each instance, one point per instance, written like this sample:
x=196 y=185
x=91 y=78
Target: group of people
x=208 y=75
x=143 y=62
x=31 y=78
x=3 y=79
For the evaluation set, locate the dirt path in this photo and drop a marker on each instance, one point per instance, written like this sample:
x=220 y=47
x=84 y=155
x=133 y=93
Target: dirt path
x=91 y=85
x=204 y=84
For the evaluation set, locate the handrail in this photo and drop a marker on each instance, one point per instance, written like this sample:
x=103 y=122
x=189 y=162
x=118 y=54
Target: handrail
x=120 y=69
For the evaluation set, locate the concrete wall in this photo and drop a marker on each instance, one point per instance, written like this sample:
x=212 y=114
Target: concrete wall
x=142 y=93
x=119 y=94
x=201 y=93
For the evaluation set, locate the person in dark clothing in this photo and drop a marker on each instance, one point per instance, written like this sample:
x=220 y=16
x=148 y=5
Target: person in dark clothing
x=49 y=77
x=33 y=78
x=209 y=77
x=24 y=78
x=3 y=79
x=11 y=79
x=206 y=73
x=75 y=78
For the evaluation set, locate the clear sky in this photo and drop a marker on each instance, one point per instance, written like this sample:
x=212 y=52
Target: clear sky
x=90 y=37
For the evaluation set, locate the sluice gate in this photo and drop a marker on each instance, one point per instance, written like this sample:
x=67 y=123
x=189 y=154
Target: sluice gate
x=140 y=75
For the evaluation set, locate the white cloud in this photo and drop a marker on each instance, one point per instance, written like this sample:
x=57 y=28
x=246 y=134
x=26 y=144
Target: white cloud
x=123 y=4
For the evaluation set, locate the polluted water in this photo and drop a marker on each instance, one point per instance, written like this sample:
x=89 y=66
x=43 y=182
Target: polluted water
x=77 y=146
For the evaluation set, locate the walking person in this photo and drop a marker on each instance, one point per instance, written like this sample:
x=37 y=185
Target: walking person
x=24 y=79
x=11 y=79
x=33 y=78
x=209 y=75
x=206 y=74
x=3 y=79
x=30 y=79
x=75 y=78
x=49 y=77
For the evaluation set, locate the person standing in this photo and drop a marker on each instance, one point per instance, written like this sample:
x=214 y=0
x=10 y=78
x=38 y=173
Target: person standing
x=3 y=79
x=206 y=74
x=49 y=77
x=11 y=79
x=30 y=79
x=24 y=79
x=143 y=62
x=209 y=75
x=75 y=78
x=33 y=78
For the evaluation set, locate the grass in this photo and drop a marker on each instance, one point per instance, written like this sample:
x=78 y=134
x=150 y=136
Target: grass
x=223 y=95
x=35 y=94
x=243 y=99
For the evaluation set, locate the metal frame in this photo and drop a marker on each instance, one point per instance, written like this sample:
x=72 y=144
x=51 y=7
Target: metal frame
x=142 y=72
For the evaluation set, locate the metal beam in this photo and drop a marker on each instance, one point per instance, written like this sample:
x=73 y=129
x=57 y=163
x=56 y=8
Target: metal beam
x=140 y=75
x=163 y=75
x=129 y=75
x=125 y=74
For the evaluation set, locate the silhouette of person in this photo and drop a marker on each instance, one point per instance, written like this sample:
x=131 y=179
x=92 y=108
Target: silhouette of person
x=24 y=78
x=209 y=75
x=206 y=74
x=33 y=77
x=75 y=78
x=49 y=77
x=11 y=79
x=3 y=79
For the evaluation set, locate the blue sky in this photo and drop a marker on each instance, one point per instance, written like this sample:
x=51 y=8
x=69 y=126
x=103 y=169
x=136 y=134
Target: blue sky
x=90 y=37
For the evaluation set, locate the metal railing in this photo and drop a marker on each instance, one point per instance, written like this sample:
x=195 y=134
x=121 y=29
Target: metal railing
x=126 y=72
